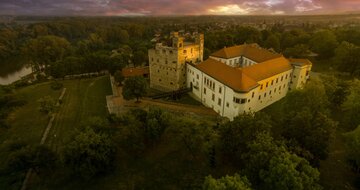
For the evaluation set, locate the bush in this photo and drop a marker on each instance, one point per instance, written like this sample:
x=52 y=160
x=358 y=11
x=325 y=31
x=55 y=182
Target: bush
x=56 y=85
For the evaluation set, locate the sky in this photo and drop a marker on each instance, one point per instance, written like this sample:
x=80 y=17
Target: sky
x=176 y=7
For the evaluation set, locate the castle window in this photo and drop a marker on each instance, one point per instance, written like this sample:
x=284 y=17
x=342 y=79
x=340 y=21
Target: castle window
x=170 y=51
x=275 y=90
x=219 y=102
x=243 y=101
x=270 y=92
x=197 y=76
x=277 y=80
x=286 y=76
x=261 y=87
x=159 y=80
x=171 y=83
x=152 y=59
x=264 y=95
x=294 y=76
x=204 y=90
x=236 y=100
x=307 y=73
x=184 y=51
x=280 y=88
x=272 y=82
x=267 y=84
x=180 y=44
x=253 y=94
x=282 y=77
x=213 y=87
x=213 y=97
x=259 y=97
x=248 y=100
x=220 y=90
x=227 y=104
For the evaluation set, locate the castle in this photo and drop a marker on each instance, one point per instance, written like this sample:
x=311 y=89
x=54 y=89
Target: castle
x=168 y=60
x=232 y=80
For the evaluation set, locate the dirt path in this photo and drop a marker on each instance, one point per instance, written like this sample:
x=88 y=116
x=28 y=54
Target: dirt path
x=118 y=105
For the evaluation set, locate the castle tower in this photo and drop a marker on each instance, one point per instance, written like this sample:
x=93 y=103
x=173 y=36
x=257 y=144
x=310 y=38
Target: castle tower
x=167 y=61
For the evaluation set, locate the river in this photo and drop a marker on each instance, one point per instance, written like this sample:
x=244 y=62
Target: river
x=11 y=71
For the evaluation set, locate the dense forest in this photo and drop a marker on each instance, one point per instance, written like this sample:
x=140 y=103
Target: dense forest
x=281 y=147
x=77 y=45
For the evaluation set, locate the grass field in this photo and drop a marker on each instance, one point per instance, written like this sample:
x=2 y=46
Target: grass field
x=84 y=98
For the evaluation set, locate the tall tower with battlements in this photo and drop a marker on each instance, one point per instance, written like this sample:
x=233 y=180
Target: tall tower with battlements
x=167 y=60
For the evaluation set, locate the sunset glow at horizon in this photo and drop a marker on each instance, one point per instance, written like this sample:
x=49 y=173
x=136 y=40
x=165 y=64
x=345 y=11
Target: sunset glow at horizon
x=179 y=7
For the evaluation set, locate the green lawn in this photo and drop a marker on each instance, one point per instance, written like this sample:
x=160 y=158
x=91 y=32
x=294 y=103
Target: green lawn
x=84 y=98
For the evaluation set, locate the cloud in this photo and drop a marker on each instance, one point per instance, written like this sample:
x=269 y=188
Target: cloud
x=175 y=7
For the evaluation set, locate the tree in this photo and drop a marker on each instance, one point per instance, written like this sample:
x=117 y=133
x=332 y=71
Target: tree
x=119 y=78
x=235 y=182
x=336 y=90
x=298 y=51
x=46 y=50
x=273 y=42
x=352 y=141
x=198 y=139
x=40 y=158
x=312 y=96
x=47 y=105
x=324 y=42
x=271 y=166
x=312 y=132
x=134 y=87
x=156 y=123
x=89 y=153
x=351 y=106
x=139 y=58
x=347 y=58
x=235 y=135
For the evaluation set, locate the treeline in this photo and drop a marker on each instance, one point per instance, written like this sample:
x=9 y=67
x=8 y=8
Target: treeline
x=338 y=47
x=77 y=45
x=63 y=47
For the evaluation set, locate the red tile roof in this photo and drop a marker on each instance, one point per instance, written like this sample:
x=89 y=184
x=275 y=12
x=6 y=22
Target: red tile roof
x=268 y=68
x=232 y=77
x=244 y=79
x=251 y=51
x=135 y=71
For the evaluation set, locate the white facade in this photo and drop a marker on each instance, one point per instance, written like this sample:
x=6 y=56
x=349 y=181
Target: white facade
x=229 y=103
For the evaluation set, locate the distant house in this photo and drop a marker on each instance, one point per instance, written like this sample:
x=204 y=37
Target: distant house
x=135 y=71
